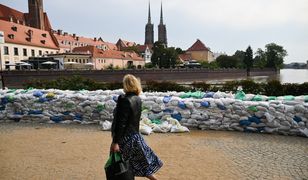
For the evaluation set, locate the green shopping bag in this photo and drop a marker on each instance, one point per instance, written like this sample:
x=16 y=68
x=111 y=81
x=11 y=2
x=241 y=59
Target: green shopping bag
x=116 y=168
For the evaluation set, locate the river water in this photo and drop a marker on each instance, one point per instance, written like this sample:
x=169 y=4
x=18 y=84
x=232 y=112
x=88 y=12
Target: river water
x=285 y=76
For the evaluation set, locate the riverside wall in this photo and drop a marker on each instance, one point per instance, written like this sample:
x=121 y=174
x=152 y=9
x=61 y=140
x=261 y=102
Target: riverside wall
x=16 y=79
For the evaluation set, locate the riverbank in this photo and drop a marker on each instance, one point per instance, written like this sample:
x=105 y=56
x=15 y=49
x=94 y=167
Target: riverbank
x=54 y=151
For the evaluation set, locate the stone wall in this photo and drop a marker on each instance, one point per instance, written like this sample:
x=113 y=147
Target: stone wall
x=16 y=79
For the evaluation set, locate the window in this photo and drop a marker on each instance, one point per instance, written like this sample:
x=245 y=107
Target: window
x=84 y=61
x=25 y=52
x=15 y=51
x=6 y=50
x=46 y=52
x=40 y=52
x=80 y=61
x=87 y=60
x=6 y=66
x=32 y=52
x=68 y=60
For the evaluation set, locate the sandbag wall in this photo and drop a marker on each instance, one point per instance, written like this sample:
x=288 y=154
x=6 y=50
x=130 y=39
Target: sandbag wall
x=215 y=111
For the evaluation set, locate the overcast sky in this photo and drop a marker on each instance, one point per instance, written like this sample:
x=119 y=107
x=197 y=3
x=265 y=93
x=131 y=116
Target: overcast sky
x=223 y=25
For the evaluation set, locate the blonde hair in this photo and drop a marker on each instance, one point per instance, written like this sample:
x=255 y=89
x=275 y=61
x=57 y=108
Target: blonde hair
x=131 y=84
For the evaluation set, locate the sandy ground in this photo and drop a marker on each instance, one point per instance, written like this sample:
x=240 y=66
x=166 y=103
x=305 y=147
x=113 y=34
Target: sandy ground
x=80 y=152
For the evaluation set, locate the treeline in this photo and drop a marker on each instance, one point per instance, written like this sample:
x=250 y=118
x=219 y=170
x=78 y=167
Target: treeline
x=271 y=57
x=271 y=88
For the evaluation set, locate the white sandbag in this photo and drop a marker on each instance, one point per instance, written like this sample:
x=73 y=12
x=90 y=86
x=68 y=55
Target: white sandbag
x=106 y=125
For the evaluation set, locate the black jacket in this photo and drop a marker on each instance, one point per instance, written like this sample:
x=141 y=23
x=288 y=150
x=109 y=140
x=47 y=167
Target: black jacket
x=126 y=116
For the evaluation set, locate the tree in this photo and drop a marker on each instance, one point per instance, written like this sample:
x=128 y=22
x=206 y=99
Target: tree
x=179 y=51
x=260 y=58
x=225 y=61
x=163 y=57
x=248 y=60
x=275 y=55
x=240 y=56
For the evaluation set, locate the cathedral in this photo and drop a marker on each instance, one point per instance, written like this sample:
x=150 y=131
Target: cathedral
x=149 y=30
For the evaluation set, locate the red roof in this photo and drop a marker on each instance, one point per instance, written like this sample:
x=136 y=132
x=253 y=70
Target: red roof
x=25 y=35
x=198 y=46
x=142 y=48
x=124 y=43
x=6 y=13
x=185 y=57
x=98 y=53
x=83 y=40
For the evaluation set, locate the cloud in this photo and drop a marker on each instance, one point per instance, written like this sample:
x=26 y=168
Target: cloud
x=247 y=14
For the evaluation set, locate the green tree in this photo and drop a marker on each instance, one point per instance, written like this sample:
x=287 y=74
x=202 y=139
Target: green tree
x=225 y=61
x=240 y=56
x=275 y=55
x=179 y=51
x=248 y=60
x=132 y=49
x=163 y=57
x=260 y=58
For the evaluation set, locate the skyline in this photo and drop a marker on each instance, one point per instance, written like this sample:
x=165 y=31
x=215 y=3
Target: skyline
x=222 y=25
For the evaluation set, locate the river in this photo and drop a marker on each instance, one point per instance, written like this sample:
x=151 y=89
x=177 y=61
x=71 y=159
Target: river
x=285 y=76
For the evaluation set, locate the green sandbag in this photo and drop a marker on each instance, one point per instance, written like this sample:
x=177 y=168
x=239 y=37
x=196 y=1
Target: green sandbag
x=197 y=94
x=11 y=90
x=100 y=107
x=288 y=98
x=306 y=98
x=253 y=108
x=11 y=99
x=240 y=95
x=271 y=98
x=257 y=98
x=186 y=95
x=69 y=105
x=156 y=121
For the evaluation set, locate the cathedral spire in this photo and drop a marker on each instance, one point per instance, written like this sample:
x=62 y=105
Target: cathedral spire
x=149 y=16
x=149 y=30
x=161 y=13
x=162 y=31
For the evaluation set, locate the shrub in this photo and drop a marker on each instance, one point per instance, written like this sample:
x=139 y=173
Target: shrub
x=164 y=86
x=273 y=88
x=201 y=86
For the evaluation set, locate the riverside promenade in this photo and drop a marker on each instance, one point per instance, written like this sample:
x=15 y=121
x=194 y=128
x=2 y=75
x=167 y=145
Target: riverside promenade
x=59 y=151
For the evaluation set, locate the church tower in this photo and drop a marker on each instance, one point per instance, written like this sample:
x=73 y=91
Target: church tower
x=149 y=30
x=162 y=32
x=36 y=14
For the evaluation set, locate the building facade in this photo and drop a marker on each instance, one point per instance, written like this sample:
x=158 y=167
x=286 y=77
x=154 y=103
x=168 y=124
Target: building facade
x=198 y=51
x=67 y=42
x=22 y=42
x=112 y=58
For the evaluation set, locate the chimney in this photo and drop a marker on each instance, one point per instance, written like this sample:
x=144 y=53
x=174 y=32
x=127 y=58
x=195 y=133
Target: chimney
x=95 y=39
x=74 y=35
x=65 y=33
x=59 y=31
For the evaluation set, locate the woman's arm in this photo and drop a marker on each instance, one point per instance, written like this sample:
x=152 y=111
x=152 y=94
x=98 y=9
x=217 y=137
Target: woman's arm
x=121 y=118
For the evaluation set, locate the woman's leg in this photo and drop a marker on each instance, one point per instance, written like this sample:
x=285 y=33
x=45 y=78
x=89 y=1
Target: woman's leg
x=151 y=177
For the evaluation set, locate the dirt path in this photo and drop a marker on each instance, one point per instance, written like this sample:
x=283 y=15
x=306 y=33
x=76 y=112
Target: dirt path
x=80 y=152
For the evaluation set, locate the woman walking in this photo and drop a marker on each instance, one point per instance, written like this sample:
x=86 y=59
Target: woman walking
x=125 y=132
